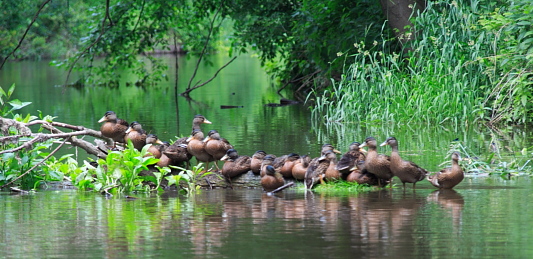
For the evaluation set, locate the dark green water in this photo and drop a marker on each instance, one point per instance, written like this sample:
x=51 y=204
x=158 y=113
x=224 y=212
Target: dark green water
x=485 y=217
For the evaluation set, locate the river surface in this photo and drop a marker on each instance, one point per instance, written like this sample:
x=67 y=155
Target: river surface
x=486 y=216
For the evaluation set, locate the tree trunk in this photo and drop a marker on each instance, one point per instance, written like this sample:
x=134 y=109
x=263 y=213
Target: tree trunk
x=398 y=13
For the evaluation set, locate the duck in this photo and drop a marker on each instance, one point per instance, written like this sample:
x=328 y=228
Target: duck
x=288 y=164
x=113 y=128
x=355 y=156
x=177 y=153
x=272 y=179
x=448 y=178
x=216 y=146
x=317 y=169
x=377 y=164
x=268 y=160
x=332 y=173
x=196 y=147
x=199 y=120
x=153 y=149
x=407 y=171
x=234 y=164
x=257 y=159
x=164 y=160
x=300 y=167
x=364 y=177
x=136 y=134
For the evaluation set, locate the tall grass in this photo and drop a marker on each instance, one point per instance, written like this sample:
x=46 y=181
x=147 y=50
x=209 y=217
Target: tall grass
x=439 y=79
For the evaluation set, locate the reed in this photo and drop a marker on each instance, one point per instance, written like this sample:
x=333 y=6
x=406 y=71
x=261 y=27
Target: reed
x=439 y=80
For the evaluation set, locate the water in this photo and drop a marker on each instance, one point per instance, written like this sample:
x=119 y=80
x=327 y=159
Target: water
x=483 y=217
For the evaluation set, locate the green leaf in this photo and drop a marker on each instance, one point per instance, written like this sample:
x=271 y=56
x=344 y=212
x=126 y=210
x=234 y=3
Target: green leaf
x=17 y=104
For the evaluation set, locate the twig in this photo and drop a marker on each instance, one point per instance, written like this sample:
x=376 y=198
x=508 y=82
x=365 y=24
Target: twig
x=25 y=32
x=211 y=79
x=282 y=188
x=35 y=166
x=107 y=16
x=203 y=51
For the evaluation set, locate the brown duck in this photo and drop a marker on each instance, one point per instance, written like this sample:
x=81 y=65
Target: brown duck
x=113 y=128
x=234 y=164
x=164 y=160
x=177 y=152
x=354 y=157
x=257 y=160
x=216 y=146
x=407 y=171
x=272 y=179
x=317 y=169
x=136 y=134
x=300 y=167
x=155 y=150
x=364 y=177
x=196 y=147
x=288 y=164
x=449 y=177
x=375 y=163
x=268 y=160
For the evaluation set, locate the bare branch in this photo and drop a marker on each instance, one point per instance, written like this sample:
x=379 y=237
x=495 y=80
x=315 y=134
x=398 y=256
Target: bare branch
x=26 y=32
x=210 y=79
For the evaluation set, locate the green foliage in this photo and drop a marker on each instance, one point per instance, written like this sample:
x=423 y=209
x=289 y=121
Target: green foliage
x=340 y=187
x=493 y=164
x=13 y=165
x=15 y=104
x=120 y=171
x=190 y=178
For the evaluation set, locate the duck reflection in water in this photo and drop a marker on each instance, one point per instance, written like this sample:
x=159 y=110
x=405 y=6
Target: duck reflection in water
x=451 y=201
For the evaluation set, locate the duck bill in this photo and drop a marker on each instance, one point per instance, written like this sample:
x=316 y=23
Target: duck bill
x=188 y=139
x=159 y=142
x=128 y=130
x=362 y=145
x=383 y=144
x=207 y=122
x=224 y=158
x=364 y=150
x=336 y=151
x=102 y=119
x=206 y=139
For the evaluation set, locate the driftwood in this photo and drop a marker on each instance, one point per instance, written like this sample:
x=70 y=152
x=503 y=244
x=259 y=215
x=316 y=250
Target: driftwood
x=97 y=148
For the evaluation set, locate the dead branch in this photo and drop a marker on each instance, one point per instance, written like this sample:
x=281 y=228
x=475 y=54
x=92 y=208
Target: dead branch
x=186 y=93
x=24 y=131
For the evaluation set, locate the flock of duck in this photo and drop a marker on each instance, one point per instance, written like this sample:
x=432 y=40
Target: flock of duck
x=371 y=168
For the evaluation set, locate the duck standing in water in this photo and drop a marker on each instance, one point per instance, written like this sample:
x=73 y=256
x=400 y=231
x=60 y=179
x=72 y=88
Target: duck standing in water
x=449 y=177
x=136 y=135
x=377 y=164
x=113 y=128
x=407 y=171
x=216 y=146
x=272 y=179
